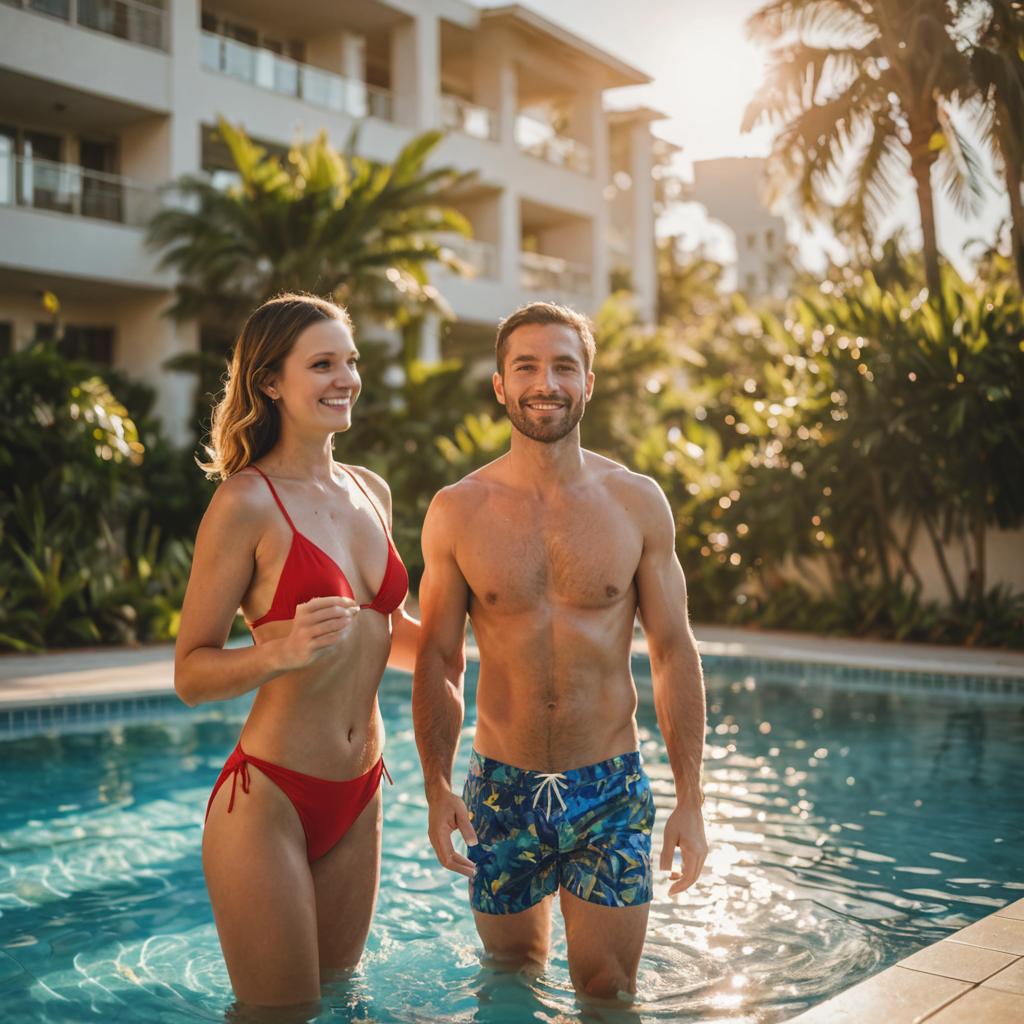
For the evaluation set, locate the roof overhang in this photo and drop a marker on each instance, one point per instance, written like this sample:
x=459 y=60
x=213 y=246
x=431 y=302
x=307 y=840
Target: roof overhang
x=614 y=72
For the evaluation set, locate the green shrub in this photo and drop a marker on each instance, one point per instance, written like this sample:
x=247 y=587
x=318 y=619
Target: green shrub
x=88 y=549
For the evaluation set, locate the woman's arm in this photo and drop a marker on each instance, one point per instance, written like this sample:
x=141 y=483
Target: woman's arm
x=222 y=569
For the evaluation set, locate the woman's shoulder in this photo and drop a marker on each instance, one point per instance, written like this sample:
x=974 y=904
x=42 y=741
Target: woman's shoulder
x=373 y=482
x=244 y=498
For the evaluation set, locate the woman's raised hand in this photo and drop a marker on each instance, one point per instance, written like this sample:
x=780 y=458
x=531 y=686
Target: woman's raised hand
x=316 y=628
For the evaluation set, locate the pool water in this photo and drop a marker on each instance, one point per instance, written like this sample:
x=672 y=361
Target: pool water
x=847 y=830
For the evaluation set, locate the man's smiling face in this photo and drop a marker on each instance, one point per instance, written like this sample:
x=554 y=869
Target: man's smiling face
x=545 y=384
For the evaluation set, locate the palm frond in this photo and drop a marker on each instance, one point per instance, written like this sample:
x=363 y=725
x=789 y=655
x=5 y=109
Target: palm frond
x=874 y=181
x=961 y=168
x=320 y=220
x=840 y=18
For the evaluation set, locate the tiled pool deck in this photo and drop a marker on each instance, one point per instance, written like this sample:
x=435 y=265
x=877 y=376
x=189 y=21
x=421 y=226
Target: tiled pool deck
x=974 y=977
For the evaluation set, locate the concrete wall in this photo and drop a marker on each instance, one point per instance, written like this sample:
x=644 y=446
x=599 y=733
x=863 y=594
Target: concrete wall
x=1004 y=564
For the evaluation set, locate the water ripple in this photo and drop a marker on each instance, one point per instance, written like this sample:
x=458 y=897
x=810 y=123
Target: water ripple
x=840 y=842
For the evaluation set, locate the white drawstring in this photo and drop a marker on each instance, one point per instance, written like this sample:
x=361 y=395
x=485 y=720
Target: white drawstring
x=551 y=782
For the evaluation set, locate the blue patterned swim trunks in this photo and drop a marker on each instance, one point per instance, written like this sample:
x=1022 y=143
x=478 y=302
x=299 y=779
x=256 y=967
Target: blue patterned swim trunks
x=585 y=829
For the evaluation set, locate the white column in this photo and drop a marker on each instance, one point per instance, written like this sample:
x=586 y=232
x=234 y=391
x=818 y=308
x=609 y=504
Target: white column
x=184 y=151
x=353 y=56
x=510 y=240
x=430 y=339
x=496 y=85
x=416 y=71
x=600 y=173
x=644 y=269
x=148 y=337
x=146 y=340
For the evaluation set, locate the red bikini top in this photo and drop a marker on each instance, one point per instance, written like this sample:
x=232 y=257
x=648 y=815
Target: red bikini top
x=310 y=572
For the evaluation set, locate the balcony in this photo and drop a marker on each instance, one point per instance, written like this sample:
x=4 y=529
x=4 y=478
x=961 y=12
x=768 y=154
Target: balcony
x=268 y=70
x=480 y=257
x=538 y=138
x=540 y=273
x=459 y=115
x=130 y=20
x=65 y=188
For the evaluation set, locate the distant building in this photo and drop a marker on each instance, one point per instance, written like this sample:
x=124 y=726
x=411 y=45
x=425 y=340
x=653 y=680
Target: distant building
x=103 y=103
x=732 y=191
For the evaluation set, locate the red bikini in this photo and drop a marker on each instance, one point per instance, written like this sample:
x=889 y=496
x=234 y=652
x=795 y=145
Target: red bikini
x=310 y=572
x=326 y=808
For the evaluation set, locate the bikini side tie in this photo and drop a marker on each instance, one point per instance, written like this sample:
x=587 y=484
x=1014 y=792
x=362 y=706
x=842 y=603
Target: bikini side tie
x=241 y=768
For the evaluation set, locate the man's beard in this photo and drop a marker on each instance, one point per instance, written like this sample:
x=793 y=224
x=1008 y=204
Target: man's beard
x=548 y=427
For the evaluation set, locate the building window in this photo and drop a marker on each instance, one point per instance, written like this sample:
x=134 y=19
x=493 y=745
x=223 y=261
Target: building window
x=751 y=285
x=55 y=8
x=93 y=344
x=6 y=337
x=769 y=239
x=249 y=35
x=101 y=196
x=751 y=240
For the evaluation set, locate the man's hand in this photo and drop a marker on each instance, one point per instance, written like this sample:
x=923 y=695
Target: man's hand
x=685 y=830
x=448 y=813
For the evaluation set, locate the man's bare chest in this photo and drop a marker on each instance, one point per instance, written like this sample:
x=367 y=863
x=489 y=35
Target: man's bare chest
x=515 y=557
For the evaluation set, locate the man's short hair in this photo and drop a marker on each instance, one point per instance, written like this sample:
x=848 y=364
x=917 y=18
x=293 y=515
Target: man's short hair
x=545 y=313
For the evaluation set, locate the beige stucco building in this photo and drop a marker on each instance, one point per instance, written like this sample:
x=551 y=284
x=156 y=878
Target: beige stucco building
x=103 y=101
x=733 y=191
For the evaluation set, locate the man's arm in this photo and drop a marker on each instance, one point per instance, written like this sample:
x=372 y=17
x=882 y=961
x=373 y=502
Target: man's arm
x=678 y=684
x=405 y=631
x=437 y=693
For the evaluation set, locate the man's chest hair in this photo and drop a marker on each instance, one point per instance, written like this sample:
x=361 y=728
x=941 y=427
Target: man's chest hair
x=585 y=557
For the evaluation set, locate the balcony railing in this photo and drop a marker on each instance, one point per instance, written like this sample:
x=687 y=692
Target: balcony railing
x=461 y=116
x=268 y=70
x=538 y=138
x=481 y=257
x=65 y=188
x=540 y=273
x=142 y=23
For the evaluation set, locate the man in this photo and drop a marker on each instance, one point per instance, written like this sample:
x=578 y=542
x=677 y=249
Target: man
x=553 y=550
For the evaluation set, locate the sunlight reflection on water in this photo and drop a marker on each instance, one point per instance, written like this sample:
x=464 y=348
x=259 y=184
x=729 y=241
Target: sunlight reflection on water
x=817 y=826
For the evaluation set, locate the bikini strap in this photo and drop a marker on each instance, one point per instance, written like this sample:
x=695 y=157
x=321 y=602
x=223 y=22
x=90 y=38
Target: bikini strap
x=280 y=504
x=384 y=525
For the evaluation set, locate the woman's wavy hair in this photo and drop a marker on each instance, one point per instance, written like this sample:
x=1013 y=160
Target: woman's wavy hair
x=245 y=423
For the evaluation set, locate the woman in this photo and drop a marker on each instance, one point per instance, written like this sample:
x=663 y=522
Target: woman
x=291 y=846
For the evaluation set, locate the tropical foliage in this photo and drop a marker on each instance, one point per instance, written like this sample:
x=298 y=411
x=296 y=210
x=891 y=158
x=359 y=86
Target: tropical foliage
x=318 y=220
x=870 y=90
x=808 y=453
x=997 y=70
x=819 y=446
x=86 y=555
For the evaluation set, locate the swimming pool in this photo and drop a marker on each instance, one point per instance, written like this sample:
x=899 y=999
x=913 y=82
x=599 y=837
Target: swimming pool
x=847 y=827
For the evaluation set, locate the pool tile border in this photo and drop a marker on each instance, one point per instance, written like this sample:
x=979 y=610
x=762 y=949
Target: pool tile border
x=74 y=715
x=982 y=982
x=133 y=686
x=868 y=679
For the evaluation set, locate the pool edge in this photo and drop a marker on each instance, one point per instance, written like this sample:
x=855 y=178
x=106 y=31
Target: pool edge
x=973 y=975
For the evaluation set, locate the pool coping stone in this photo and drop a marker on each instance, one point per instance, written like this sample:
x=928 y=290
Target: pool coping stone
x=985 y=983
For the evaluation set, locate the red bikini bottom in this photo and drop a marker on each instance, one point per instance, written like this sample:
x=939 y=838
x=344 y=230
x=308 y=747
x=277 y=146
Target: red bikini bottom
x=326 y=808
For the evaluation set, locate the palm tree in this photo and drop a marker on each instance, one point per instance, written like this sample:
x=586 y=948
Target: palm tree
x=319 y=220
x=867 y=81
x=997 y=65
